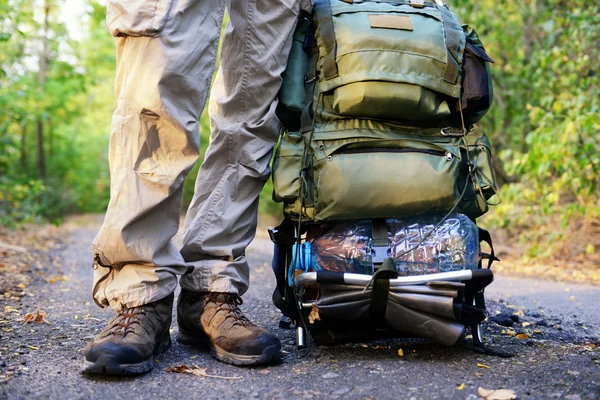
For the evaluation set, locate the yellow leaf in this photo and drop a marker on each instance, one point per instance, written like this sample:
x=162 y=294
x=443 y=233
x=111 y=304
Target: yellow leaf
x=525 y=324
x=461 y=387
x=482 y=366
x=33 y=347
x=537 y=331
x=590 y=249
x=21 y=285
x=401 y=352
x=314 y=314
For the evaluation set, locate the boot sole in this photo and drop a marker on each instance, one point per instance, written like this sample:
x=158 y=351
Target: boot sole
x=269 y=355
x=107 y=364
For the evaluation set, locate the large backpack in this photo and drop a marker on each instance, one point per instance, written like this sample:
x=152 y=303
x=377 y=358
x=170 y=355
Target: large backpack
x=379 y=103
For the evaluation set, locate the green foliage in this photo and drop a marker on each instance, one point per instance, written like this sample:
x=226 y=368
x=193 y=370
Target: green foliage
x=56 y=112
x=545 y=119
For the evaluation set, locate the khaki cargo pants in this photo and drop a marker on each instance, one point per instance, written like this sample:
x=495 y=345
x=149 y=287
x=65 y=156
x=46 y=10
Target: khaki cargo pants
x=166 y=51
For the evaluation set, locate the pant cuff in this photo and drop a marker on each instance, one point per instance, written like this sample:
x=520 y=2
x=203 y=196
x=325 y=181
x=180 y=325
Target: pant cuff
x=214 y=276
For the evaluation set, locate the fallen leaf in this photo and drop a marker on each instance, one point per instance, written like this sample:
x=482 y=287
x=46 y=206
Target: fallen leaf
x=264 y=372
x=314 y=314
x=33 y=347
x=500 y=394
x=537 y=331
x=196 y=370
x=21 y=285
x=523 y=336
x=401 y=352
x=54 y=279
x=483 y=366
x=7 y=329
x=39 y=317
x=460 y=387
x=525 y=324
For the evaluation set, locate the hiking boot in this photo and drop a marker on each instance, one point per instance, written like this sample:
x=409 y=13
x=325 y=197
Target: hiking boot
x=215 y=320
x=128 y=345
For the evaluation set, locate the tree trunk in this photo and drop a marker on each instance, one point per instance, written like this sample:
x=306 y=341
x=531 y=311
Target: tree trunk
x=24 y=148
x=50 y=129
x=41 y=160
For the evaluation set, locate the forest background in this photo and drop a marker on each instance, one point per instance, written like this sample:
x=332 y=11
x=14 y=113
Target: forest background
x=57 y=98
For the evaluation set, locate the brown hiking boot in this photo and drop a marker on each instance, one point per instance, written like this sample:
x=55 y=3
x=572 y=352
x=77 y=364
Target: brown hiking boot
x=128 y=344
x=215 y=320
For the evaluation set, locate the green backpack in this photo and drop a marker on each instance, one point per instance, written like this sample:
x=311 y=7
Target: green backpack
x=379 y=103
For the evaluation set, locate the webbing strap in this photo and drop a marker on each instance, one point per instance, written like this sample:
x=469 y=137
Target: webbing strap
x=484 y=236
x=381 y=290
x=323 y=11
x=454 y=43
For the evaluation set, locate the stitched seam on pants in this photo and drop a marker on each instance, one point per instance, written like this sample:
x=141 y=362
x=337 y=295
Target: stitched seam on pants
x=249 y=29
x=214 y=50
x=153 y=22
x=216 y=196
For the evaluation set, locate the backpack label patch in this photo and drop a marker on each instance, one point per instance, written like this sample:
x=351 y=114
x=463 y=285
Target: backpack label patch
x=386 y=21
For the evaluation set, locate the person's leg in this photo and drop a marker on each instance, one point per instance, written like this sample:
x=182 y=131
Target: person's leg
x=166 y=52
x=222 y=217
x=221 y=220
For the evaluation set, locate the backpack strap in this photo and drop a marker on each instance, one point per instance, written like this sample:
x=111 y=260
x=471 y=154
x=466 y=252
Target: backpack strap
x=484 y=236
x=455 y=41
x=323 y=12
x=381 y=290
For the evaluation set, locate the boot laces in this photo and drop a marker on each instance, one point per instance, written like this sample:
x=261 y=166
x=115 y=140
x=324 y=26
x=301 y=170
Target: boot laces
x=123 y=321
x=229 y=303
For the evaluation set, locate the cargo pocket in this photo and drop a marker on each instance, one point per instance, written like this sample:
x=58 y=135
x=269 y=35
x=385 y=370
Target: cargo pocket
x=287 y=164
x=137 y=17
x=389 y=61
x=381 y=182
x=481 y=186
x=477 y=88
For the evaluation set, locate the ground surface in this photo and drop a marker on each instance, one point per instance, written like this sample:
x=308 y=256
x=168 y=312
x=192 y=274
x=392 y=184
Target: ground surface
x=556 y=340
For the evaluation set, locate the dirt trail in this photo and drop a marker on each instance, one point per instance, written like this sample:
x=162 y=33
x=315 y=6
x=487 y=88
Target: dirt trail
x=559 y=359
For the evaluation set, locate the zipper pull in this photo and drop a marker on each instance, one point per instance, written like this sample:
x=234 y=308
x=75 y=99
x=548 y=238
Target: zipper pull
x=449 y=156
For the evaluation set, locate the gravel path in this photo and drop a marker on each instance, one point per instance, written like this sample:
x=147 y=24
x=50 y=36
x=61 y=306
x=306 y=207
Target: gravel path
x=559 y=359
